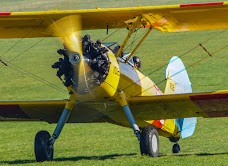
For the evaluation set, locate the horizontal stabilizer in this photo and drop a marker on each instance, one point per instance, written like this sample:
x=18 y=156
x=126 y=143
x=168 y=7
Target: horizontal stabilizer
x=186 y=126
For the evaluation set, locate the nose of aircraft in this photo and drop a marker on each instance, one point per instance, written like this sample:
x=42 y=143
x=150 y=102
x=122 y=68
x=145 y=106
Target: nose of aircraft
x=69 y=30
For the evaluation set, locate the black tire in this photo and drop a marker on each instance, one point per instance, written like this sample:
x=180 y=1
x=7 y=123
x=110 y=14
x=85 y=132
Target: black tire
x=176 y=148
x=149 y=141
x=43 y=150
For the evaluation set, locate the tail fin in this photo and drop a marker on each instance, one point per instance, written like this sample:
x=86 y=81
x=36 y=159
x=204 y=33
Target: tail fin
x=179 y=82
x=177 y=77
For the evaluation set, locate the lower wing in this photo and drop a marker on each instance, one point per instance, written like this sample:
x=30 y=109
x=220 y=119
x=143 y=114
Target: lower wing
x=144 y=108
x=51 y=110
x=207 y=105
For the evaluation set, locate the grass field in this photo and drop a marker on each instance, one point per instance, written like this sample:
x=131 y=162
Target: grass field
x=106 y=144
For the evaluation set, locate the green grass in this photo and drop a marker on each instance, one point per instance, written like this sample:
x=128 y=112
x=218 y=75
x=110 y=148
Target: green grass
x=106 y=144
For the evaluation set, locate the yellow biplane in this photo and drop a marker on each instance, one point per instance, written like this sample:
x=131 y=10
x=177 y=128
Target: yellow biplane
x=106 y=85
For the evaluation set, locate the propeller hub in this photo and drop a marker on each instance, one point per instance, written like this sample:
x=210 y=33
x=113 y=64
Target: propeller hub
x=74 y=58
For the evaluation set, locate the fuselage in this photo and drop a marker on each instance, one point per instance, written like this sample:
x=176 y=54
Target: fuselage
x=132 y=82
x=121 y=76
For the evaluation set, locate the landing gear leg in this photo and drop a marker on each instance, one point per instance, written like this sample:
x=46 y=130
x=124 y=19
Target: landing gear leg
x=148 y=137
x=129 y=115
x=44 y=143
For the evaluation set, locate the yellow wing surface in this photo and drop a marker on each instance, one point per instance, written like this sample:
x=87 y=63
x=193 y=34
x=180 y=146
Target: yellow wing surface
x=144 y=109
x=51 y=110
x=173 y=18
x=206 y=105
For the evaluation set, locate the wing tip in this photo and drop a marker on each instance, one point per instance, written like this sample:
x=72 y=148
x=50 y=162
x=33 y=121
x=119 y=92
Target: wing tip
x=5 y=13
x=202 y=4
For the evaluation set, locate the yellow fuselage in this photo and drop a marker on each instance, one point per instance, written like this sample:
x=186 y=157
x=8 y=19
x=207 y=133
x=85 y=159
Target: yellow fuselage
x=126 y=78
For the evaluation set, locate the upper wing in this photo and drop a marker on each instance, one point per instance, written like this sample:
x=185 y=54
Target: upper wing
x=181 y=105
x=173 y=18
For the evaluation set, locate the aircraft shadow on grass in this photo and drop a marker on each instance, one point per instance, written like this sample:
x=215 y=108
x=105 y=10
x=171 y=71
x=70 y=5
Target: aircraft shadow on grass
x=202 y=154
x=77 y=158
x=195 y=154
x=106 y=157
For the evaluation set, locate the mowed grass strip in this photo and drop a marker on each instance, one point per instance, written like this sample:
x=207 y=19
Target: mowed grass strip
x=107 y=144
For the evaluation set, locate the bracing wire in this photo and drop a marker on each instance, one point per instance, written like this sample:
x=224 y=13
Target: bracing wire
x=191 y=65
x=31 y=75
x=135 y=40
x=110 y=34
x=28 y=49
x=17 y=68
x=182 y=55
x=20 y=40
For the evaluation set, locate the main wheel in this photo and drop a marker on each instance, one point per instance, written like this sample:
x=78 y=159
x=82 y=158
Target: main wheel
x=176 y=148
x=42 y=147
x=149 y=141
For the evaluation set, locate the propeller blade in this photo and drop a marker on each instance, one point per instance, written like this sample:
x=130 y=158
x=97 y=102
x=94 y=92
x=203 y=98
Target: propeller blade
x=69 y=30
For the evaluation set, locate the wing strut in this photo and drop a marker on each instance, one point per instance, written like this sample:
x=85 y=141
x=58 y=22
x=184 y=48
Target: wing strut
x=133 y=25
x=141 y=41
x=132 y=28
x=146 y=17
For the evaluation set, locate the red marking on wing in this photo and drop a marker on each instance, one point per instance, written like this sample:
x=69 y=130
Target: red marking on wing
x=202 y=4
x=157 y=123
x=209 y=96
x=12 y=111
x=5 y=13
x=155 y=25
x=159 y=92
x=214 y=105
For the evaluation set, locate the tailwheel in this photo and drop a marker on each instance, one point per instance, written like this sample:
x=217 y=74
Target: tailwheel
x=149 y=141
x=43 y=148
x=176 y=148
